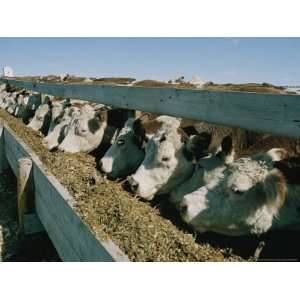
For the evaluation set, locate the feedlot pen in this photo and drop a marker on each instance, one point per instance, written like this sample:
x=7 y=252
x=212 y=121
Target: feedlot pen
x=73 y=229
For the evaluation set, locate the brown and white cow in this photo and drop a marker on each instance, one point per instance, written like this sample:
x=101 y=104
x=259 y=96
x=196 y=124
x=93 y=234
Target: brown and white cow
x=251 y=196
x=128 y=148
x=168 y=160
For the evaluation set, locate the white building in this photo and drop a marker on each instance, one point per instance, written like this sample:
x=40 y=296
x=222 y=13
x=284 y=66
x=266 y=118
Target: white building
x=8 y=72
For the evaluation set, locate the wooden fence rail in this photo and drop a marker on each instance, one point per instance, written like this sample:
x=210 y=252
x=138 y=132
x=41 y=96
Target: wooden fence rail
x=272 y=113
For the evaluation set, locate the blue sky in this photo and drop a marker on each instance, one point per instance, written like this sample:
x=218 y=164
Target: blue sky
x=274 y=60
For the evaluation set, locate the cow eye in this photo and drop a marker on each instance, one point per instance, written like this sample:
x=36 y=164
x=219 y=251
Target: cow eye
x=162 y=139
x=120 y=142
x=165 y=159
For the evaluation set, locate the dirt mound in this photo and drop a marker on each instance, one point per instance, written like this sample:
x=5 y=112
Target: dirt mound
x=156 y=83
x=247 y=87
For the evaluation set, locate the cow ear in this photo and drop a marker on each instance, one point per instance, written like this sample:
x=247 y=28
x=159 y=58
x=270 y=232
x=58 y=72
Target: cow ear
x=101 y=115
x=145 y=117
x=197 y=145
x=183 y=135
x=68 y=102
x=47 y=100
x=139 y=129
x=49 y=104
x=277 y=154
x=275 y=189
x=199 y=142
x=226 y=144
x=227 y=152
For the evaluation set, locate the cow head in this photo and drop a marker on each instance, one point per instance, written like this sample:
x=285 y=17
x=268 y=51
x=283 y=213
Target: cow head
x=85 y=133
x=57 y=135
x=128 y=149
x=41 y=119
x=57 y=111
x=244 y=199
x=168 y=160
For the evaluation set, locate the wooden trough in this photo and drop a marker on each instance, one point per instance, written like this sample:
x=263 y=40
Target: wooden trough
x=72 y=239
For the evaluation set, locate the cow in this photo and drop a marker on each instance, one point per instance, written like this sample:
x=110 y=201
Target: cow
x=86 y=132
x=206 y=170
x=3 y=87
x=169 y=159
x=116 y=164
x=57 y=111
x=128 y=147
x=27 y=104
x=42 y=118
x=58 y=133
x=251 y=196
x=11 y=103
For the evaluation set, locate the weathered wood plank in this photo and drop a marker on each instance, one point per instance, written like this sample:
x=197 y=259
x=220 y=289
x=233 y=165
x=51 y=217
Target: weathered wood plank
x=277 y=114
x=57 y=199
x=54 y=206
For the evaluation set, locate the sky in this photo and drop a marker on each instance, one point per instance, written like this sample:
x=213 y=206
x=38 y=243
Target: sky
x=221 y=60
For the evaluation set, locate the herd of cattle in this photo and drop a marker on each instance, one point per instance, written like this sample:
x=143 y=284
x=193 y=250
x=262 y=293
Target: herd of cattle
x=199 y=166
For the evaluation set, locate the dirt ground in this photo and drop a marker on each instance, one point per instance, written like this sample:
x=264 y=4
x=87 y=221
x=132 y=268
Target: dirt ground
x=35 y=247
x=144 y=231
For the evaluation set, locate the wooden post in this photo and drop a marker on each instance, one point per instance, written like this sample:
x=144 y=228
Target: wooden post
x=3 y=160
x=25 y=167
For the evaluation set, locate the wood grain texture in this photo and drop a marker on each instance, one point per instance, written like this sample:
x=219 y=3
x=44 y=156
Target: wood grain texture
x=72 y=238
x=276 y=114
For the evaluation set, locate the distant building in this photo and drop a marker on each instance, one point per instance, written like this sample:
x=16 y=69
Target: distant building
x=198 y=81
x=8 y=72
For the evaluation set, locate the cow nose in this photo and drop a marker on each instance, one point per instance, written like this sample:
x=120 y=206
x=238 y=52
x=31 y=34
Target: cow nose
x=133 y=184
x=183 y=208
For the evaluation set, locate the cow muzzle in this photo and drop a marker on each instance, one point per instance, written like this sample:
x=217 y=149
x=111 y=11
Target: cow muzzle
x=134 y=185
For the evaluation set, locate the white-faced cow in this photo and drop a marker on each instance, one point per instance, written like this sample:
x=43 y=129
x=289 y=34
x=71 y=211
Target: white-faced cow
x=128 y=148
x=57 y=111
x=96 y=125
x=27 y=104
x=42 y=118
x=168 y=161
x=57 y=135
x=85 y=132
x=251 y=196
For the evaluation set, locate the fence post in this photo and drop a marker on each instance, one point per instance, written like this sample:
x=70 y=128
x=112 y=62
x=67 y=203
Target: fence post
x=24 y=170
x=28 y=221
